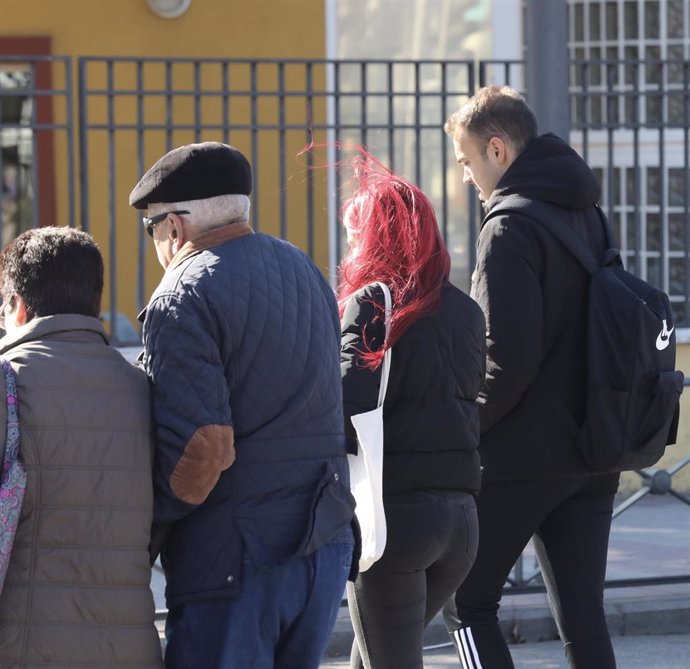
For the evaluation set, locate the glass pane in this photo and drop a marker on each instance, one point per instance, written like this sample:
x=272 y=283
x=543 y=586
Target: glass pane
x=676 y=279
x=674 y=18
x=674 y=69
x=596 y=67
x=676 y=109
x=594 y=22
x=579 y=22
x=617 y=186
x=612 y=110
x=676 y=187
x=631 y=110
x=579 y=66
x=677 y=232
x=612 y=66
x=577 y=110
x=631 y=233
x=611 y=21
x=651 y=19
x=653 y=232
x=653 y=185
x=632 y=28
x=632 y=69
x=653 y=110
x=653 y=68
x=632 y=190
x=654 y=272
x=16 y=153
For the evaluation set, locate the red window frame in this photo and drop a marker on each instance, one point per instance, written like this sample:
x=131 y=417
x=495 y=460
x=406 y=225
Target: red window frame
x=45 y=142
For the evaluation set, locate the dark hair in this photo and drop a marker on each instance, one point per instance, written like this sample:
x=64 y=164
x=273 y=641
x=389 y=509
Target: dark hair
x=55 y=271
x=496 y=111
x=397 y=242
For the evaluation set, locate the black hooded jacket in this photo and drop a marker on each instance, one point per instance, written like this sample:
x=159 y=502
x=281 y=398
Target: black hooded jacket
x=534 y=297
x=430 y=414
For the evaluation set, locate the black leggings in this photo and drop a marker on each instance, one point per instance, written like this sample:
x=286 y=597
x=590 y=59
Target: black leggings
x=431 y=544
x=570 y=520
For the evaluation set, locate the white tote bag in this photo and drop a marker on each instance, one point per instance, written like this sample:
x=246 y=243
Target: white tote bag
x=366 y=468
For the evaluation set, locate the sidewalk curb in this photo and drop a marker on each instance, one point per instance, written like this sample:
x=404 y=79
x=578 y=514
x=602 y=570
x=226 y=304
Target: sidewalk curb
x=523 y=622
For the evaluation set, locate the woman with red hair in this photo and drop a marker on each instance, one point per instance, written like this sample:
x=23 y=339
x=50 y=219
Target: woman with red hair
x=431 y=468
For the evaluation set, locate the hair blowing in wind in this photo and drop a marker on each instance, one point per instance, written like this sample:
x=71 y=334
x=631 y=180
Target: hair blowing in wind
x=394 y=238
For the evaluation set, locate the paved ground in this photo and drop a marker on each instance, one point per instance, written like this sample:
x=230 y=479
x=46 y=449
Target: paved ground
x=632 y=652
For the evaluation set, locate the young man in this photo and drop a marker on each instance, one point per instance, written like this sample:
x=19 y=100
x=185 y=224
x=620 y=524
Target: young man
x=534 y=296
x=242 y=342
x=77 y=588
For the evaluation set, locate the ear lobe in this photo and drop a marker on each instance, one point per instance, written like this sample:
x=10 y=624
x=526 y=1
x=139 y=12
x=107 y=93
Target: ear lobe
x=21 y=316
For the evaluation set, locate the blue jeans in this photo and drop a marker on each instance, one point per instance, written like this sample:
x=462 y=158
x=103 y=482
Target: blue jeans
x=282 y=618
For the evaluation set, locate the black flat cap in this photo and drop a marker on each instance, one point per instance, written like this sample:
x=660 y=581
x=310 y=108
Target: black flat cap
x=194 y=172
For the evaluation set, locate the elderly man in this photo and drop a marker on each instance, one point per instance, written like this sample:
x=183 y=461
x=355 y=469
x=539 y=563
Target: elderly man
x=251 y=481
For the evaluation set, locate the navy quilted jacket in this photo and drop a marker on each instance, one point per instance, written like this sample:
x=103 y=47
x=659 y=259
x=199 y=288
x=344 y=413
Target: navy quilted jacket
x=241 y=345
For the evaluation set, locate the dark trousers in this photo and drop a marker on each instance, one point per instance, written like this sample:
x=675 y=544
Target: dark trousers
x=570 y=520
x=431 y=544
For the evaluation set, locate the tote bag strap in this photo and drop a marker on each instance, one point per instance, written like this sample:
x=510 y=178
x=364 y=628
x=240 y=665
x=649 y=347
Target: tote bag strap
x=386 y=365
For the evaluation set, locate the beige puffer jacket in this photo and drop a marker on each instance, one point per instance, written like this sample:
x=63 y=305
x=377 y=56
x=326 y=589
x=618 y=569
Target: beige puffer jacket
x=77 y=591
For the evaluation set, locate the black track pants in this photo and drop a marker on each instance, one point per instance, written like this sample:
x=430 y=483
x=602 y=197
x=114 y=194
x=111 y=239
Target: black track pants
x=570 y=520
x=431 y=544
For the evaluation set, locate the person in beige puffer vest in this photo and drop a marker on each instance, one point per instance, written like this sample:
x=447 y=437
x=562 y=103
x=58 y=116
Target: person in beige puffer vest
x=77 y=589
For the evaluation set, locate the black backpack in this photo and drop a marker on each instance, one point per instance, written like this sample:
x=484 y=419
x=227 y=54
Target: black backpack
x=633 y=389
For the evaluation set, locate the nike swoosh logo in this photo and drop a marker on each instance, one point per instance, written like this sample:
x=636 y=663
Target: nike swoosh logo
x=664 y=337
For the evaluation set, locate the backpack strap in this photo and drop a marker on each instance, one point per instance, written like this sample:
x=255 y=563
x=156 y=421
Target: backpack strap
x=549 y=216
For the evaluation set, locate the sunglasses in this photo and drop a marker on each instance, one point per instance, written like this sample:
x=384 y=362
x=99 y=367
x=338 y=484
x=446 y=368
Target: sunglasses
x=150 y=222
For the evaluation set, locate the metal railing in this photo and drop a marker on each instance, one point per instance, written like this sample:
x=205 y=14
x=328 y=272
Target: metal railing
x=630 y=121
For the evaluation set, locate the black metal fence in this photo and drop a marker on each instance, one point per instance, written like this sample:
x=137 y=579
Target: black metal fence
x=630 y=121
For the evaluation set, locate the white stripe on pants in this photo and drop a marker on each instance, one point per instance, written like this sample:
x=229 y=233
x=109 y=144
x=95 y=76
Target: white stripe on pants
x=466 y=648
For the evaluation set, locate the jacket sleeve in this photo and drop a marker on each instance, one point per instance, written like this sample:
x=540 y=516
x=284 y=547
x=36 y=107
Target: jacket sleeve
x=506 y=285
x=190 y=400
x=363 y=329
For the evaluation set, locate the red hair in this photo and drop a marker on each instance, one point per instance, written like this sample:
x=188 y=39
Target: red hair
x=394 y=239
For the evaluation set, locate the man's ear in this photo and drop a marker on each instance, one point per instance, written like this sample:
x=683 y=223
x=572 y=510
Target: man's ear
x=500 y=151
x=19 y=312
x=177 y=233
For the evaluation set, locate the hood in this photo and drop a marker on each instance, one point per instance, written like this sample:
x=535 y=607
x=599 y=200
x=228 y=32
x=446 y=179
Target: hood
x=548 y=169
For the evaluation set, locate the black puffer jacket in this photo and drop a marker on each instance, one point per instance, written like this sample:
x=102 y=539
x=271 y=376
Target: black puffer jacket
x=431 y=420
x=534 y=296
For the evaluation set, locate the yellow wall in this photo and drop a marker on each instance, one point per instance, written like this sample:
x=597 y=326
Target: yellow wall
x=209 y=29
x=223 y=28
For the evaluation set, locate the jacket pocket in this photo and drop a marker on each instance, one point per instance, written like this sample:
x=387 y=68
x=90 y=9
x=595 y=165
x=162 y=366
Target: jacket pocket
x=331 y=512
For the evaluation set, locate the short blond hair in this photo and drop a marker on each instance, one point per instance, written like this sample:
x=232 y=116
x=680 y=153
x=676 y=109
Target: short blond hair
x=495 y=111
